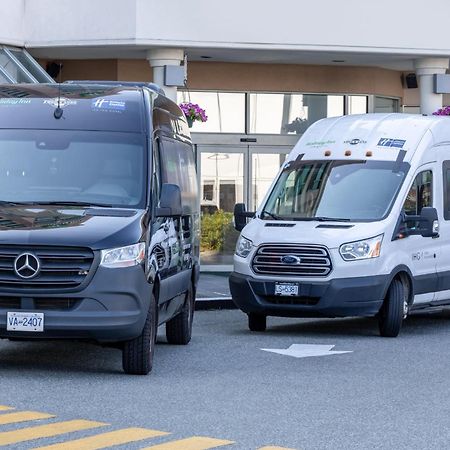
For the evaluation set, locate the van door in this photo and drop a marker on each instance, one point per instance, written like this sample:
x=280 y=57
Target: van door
x=423 y=252
x=178 y=167
x=443 y=207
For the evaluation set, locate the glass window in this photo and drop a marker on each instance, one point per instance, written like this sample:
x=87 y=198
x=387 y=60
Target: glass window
x=385 y=105
x=13 y=69
x=446 y=170
x=420 y=194
x=291 y=113
x=92 y=167
x=353 y=190
x=178 y=167
x=357 y=104
x=225 y=111
x=32 y=66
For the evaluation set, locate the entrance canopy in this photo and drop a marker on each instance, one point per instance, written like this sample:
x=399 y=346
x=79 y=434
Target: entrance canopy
x=18 y=66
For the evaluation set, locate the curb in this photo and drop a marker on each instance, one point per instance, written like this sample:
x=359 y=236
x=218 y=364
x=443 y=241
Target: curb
x=203 y=304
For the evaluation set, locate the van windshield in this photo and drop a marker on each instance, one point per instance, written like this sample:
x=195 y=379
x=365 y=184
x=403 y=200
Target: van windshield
x=79 y=167
x=339 y=190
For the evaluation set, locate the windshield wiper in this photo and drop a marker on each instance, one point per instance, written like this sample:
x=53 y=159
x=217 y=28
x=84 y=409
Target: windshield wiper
x=330 y=219
x=320 y=219
x=66 y=203
x=274 y=216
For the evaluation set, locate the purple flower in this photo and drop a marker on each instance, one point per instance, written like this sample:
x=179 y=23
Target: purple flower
x=193 y=111
x=444 y=111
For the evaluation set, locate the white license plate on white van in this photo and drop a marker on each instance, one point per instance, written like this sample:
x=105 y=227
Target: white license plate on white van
x=286 y=289
x=22 y=321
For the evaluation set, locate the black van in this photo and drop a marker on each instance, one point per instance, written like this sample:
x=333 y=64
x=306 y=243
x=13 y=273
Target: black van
x=99 y=222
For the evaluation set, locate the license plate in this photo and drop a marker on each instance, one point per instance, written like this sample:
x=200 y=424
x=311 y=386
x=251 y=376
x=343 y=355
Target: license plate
x=286 y=289
x=22 y=321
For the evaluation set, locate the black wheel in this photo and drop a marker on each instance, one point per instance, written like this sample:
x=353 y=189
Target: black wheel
x=393 y=311
x=179 y=329
x=137 y=354
x=257 y=322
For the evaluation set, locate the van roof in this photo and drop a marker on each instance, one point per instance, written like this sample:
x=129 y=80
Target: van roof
x=382 y=136
x=99 y=107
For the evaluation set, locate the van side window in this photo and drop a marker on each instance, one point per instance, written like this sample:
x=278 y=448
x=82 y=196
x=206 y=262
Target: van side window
x=420 y=194
x=178 y=167
x=446 y=184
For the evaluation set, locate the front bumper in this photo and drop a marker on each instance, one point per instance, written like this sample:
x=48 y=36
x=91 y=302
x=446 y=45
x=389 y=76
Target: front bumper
x=112 y=307
x=343 y=297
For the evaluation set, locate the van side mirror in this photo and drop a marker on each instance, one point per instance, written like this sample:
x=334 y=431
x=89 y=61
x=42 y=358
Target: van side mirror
x=241 y=215
x=427 y=223
x=170 y=201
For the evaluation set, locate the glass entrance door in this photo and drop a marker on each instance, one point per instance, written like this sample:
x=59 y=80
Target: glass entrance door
x=230 y=174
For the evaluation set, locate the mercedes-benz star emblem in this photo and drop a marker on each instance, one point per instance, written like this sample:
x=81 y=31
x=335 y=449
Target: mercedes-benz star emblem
x=27 y=265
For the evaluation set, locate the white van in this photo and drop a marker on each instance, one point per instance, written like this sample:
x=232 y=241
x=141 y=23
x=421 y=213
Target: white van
x=357 y=223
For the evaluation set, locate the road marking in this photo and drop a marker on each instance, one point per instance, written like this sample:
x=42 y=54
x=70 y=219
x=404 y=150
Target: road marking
x=192 y=443
x=5 y=408
x=105 y=440
x=275 y=448
x=43 y=431
x=306 y=350
x=17 y=417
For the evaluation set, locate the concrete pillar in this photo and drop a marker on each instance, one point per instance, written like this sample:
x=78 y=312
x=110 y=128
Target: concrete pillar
x=425 y=69
x=160 y=57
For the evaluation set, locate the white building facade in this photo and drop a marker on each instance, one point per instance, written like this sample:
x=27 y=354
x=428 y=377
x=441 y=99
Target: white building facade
x=263 y=71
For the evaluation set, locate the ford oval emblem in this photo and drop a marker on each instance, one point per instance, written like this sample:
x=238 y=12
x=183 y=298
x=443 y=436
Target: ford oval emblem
x=354 y=141
x=290 y=259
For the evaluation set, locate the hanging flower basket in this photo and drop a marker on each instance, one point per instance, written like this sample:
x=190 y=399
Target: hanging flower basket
x=444 y=111
x=193 y=112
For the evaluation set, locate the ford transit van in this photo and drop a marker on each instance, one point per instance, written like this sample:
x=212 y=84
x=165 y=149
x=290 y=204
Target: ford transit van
x=99 y=227
x=357 y=223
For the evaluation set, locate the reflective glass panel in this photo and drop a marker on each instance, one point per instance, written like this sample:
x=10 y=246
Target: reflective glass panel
x=222 y=186
x=225 y=111
x=41 y=166
x=32 y=66
x=291 y=113
x=385 y=105
x=13 y=69
x=336 y=190
x=357 y=104
x=265 y=167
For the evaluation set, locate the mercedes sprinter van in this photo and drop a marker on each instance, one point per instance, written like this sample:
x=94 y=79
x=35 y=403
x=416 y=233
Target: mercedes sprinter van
x=99 y=226
x=357 y=223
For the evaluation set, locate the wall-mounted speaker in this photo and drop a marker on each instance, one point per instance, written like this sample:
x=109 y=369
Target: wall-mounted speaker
x=409 y=81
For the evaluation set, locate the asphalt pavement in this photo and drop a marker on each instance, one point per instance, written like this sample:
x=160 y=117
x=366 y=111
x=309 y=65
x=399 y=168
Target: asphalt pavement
x=385 y=394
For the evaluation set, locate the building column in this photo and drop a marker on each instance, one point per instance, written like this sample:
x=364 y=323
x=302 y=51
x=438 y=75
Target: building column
x=158 y=59
x=425 y=69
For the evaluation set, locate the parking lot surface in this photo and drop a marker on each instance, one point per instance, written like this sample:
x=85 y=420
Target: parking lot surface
x=222 y=390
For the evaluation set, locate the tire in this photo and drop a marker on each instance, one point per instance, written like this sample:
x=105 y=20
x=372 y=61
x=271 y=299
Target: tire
x=179 y=329
x=257 y=322
x=137 y=354
x=393 y=310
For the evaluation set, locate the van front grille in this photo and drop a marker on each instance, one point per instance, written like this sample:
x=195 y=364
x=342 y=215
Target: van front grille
x=38 y=303
x=60 y=267
x=292 y=260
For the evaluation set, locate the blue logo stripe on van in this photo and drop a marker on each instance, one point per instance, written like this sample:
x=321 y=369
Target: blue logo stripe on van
x=388 y=142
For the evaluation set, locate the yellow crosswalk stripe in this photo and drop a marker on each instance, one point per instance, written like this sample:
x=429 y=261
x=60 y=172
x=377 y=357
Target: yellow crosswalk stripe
x=105 y=440
x=192 y=443
x=5 y=408
x=24 y=416
x=43 y=431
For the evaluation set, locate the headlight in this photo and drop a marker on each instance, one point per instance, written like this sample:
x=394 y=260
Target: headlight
x=243 y=247
x=368 y=248
x=131 y=255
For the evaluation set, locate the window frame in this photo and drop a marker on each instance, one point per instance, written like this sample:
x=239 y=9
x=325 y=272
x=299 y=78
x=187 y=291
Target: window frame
x=417 y=213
